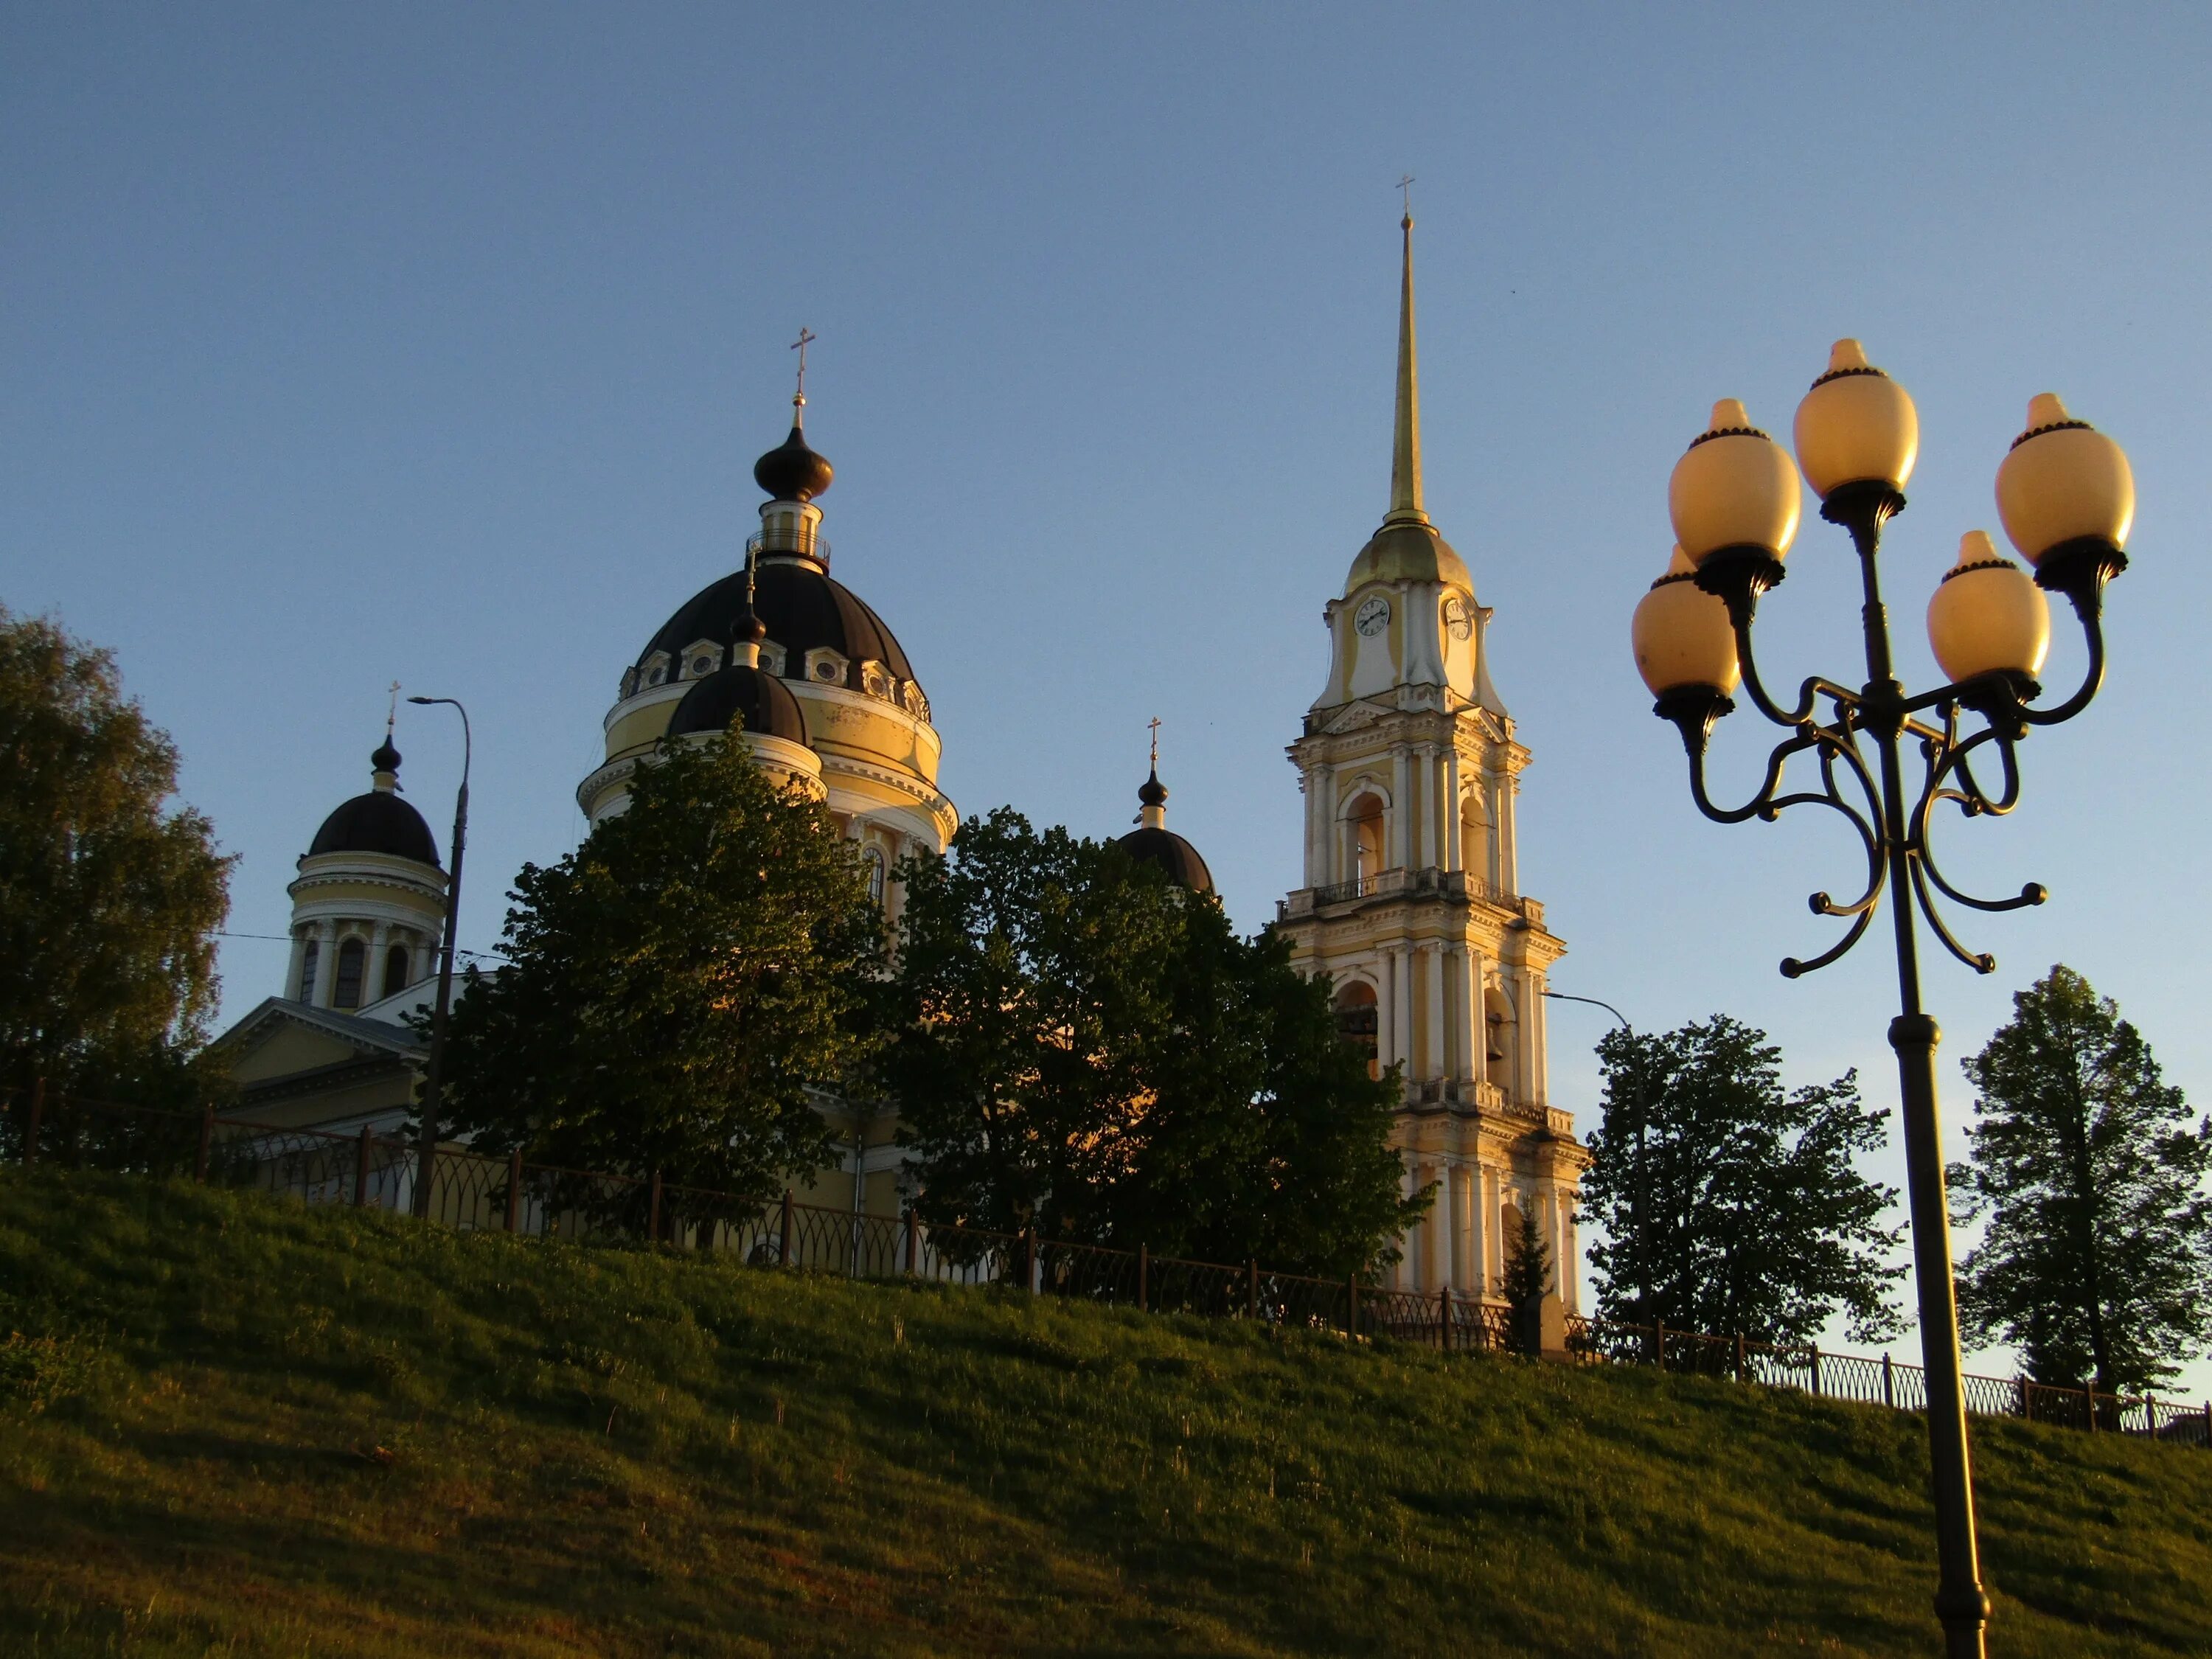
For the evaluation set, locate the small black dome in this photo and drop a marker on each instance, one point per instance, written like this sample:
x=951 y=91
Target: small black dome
x=1152 y=792
x=792 y=471
x=766 y=702
x=385 y=758
x=1172 y=854
x=377 y=822
x=802 y=607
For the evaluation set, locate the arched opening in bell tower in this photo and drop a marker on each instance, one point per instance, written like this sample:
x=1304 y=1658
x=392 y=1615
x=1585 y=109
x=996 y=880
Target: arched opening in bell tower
x=1501 y=1041
x=1364 y=838
x=1356 y=1023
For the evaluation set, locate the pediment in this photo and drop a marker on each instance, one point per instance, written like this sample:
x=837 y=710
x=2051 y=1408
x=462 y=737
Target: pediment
x=1355 y=717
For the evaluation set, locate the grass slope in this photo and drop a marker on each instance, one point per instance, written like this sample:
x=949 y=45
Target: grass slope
x=230 y=1425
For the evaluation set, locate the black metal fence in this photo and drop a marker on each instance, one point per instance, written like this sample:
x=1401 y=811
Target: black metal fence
x=470 y=1191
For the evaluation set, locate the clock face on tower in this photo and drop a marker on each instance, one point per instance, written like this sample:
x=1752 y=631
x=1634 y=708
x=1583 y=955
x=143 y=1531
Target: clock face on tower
x=1373 y=616
x=1456 y=619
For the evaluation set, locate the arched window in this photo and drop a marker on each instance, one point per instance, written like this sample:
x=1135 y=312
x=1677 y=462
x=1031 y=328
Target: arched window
x=309 y=960
x=353 y=961
x=395 y=969
x=874 y=860
x=1356 y=1023
x=1501 y=1040
x=1364 y=838
x=1474 y=836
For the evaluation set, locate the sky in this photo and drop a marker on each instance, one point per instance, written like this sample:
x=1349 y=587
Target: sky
x=433 y=343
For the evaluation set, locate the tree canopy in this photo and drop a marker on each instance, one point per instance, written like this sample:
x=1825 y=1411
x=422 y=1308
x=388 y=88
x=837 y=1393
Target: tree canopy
x=676 y=986
x=111 y=896
x=2091 y=1174
x=1083 y=1047
x=1728 y=1203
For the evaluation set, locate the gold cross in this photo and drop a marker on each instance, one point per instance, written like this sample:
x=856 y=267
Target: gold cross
x=799 y=345
x=1156 y=743
x=1405 y=183
x=392 y=713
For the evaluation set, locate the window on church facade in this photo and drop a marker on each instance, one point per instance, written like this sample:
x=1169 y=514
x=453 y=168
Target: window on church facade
x=1363 y=827
x=1358 y=1025
x=395 y=969
x=353 y=961
x=875 y=862
x=309 y=960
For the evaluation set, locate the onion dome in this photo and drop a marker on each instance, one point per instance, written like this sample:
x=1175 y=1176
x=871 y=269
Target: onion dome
x=377 y=822
x=741 y=690
x=1155 y=843
x=792 y=471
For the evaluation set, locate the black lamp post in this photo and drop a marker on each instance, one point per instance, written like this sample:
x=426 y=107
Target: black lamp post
x=427 y=1154
x=2066 y=500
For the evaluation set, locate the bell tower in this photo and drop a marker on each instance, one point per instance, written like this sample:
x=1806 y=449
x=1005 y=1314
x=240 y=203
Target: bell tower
x=1410 y=770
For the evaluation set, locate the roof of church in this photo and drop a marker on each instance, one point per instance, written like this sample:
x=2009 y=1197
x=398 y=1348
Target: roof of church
x=377 y=822
x=1157 y=844
x=1172 y=854
x=1407 y=547
x=803 y=607
x=765 y=703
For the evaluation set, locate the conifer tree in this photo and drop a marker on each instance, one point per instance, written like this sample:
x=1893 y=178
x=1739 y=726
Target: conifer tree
x=676 y=986
x=1728 y=1204
x=2091 y=1174
x=111 y=896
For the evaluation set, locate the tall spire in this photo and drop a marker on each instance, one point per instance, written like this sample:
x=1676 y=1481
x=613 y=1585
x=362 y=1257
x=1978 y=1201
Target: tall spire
x=1405 y=438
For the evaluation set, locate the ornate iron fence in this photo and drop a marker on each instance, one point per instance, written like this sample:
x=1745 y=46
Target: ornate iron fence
x=472 y=1191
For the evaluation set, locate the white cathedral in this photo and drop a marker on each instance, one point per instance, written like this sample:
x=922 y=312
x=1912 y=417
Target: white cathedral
x=1407 y=763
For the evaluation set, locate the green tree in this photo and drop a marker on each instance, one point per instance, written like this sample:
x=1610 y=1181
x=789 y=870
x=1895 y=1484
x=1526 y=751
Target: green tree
x=2091 y=1174
x=1527 y=1264
x=111 y=896
x=676 y=986
x=1728 y=1204
x=1083 y=1047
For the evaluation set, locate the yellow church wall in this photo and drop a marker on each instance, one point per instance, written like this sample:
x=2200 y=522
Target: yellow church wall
x=851 y=723
x=328 y=893
x=641 y=728
x=292 y=1048
x=369 y=1097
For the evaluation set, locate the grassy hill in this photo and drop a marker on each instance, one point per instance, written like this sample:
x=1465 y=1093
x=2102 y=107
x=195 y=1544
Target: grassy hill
x=230 y=1425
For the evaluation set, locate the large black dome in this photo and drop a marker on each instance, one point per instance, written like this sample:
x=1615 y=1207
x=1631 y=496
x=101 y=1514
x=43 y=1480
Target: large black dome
x=802 y=607
x=1172 y=854
x=377 y=823
x=766 y=702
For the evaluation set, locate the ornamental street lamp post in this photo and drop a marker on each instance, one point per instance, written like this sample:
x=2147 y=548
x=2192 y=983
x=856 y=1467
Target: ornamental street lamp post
x=427 y=1146
x=2066 y=500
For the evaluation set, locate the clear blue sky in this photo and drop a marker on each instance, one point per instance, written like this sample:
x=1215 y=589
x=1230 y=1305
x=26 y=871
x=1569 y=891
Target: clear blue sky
x=345 y=344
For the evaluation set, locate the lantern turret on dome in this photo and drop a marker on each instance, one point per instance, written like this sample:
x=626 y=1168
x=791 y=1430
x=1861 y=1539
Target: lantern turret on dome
x=369 y=901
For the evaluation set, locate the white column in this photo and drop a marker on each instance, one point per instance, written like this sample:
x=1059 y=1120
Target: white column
x=1509 y=838
x=1402 y=960
x=1401 y=800
x=1487 y=1208
x=1401 y=1272
x=1386 y=1008
x=1496 y=872
x=1433 y=1055
x=1540 y=1028
x=1463 y=1232
x=1423 y=852
x=1454 y=850
x=1310 y=785
x=293 y=988
x=326 y=961
x=1436 y=1234
x=1471 y=1012
x=1569 y=1255
x=373 y=987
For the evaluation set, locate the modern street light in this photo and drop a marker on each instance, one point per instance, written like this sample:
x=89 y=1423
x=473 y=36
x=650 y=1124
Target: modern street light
x=2066 y=500
x=427 y=1153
